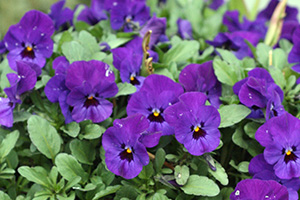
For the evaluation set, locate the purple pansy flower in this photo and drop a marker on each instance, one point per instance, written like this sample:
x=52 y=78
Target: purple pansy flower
x=255 y=189
x=95 y=13
x=185 y=29
x=6 y=112
x=291 y=12
x=90 y=83
x=231 y=20
x=260 y=169
x=129 y=62
x=23 y=81
x=280 y=136
x=128 y=14
x=125 y=155
x=157 y=93
x=158 y=28
x=215 y=4
x=294 y=55
x=258 y=90
x=60 y=16
x=195 y=124
x=2 y=47
x=56 y=89
x=201 y=78
x=30 y=39
x=236 y=42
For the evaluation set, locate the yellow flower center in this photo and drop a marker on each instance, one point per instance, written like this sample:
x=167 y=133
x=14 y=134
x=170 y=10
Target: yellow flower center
x=90 y=98
x=132 y=78
x=196 y=129
x=128 y=150
x=128 y=20
x=156 y=113
x=289 y=152
x=29 y=48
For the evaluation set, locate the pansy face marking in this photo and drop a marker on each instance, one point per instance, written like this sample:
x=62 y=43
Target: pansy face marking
x=156 y=116
x=289 y=154
x=198 y=131
x=126 y=153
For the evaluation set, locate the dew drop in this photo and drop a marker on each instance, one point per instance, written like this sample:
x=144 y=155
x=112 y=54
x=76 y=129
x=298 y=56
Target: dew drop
x=237 y=193
x=115 y=4
x=180 y=114
x=17 y=44
x=250 y=96
x=107 y=73
x=42 y=34
x=47 y=47
x=267 y=197
x=34 y=28
x=170 y=103
x=20 y=27
x=6 y=45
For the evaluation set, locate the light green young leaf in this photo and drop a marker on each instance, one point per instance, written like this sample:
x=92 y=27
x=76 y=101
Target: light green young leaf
x=232 y=114
x=83 y=151
x=125 y=89
x=93 y=131
x=44 y=136
x=4 y=196
x=72 y=129
x=200 y=185
x=181 y=52
x=7 y=144
x=182 y=174
x=219 y=174
x=37 y=175
x=69 y=167
x=107 y=191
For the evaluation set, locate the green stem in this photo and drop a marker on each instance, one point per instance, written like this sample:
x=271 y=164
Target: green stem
x=254 y=10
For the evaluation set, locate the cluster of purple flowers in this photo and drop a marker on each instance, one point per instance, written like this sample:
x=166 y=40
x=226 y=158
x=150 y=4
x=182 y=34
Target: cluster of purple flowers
x=258 y=91
x=252 y=31
x=81 y=89
x=160 y=106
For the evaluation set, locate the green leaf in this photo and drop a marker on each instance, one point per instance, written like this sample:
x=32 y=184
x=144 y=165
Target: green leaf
x=72 y=129
x=4 y=196
x=37 y=175
x=74 y=51
x=83 y=151
x=44 y=136
x=232 y=114
x=147 y=171
x=181 y=51
x=240 y=6
x=243 y=166
x=115 y=42
x=182 y=174
x=93 y=131
x=219 y=174
x=68 y=167
x=278 y=76
x=251 y=128
x=159 y=159
x=225 y=72
x=262 y=51
x=107 y=191
x=201 y=185
x=125 y=89
x=229 y=57
x=72 y=182
x=65 y=37
x=21 y=116
x=88 y=42
x=7 y=144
